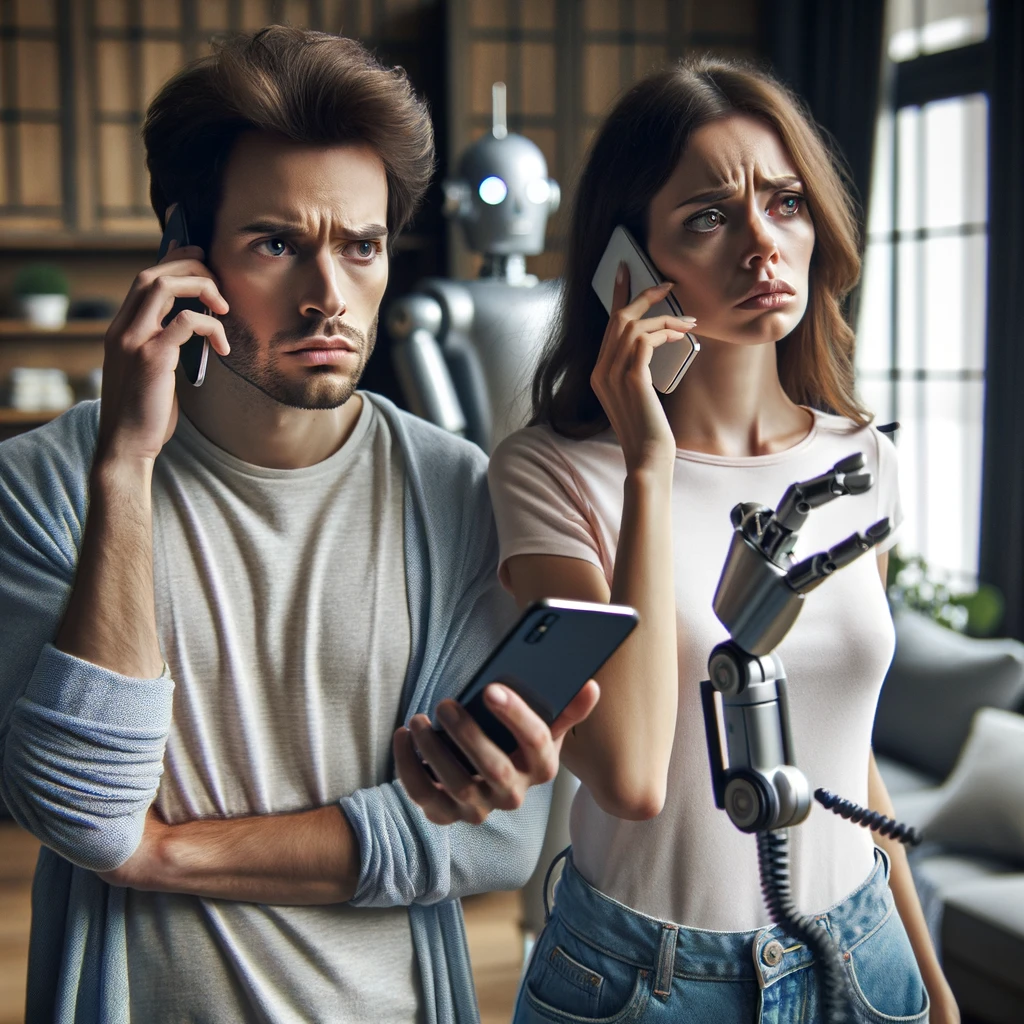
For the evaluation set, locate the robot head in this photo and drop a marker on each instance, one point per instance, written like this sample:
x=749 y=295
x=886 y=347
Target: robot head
x=503 y=195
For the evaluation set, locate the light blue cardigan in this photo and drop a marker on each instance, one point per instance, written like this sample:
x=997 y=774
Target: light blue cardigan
x=82 y=747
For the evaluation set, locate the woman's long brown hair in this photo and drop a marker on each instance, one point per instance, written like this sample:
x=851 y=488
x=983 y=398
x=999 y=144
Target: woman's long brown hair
x=631 y=158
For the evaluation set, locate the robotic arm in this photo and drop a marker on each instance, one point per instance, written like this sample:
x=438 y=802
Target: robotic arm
x=755 y=779
x=759 y=596
x=415 y=324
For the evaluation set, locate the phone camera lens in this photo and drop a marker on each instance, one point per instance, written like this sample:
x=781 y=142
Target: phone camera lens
x=537 y=633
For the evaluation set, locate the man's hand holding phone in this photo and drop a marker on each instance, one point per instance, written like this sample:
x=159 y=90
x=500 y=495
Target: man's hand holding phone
x=504 y=732
x=502 y=779
x=139 y=409
x=621 y=378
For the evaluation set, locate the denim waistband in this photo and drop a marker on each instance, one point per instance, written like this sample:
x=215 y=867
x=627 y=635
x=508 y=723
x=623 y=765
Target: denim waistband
x=764 y=955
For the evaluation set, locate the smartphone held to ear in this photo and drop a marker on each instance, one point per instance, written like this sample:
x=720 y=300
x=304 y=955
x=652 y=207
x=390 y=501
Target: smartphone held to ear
x=546 y=658
x=671 y=360
x=195 y=353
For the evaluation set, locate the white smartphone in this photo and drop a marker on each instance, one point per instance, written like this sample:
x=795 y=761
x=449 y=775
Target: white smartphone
x=672 y=360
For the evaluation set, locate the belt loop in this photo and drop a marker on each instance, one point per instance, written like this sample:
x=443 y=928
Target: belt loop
x=547 y=881
x=666 y=962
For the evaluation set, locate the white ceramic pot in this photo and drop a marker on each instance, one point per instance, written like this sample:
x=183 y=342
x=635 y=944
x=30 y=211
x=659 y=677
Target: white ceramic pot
x=46 y=312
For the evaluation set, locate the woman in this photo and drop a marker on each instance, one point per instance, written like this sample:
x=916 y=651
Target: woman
x=617 y=493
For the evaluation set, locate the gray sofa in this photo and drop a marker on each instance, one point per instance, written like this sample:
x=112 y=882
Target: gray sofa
x=958 y=771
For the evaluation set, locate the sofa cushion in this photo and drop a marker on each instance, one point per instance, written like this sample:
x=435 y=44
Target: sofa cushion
x=918 y=807
x=983 y=928
x=936 y=682
x=980 y=807
x=949 y=871
x=901 y=778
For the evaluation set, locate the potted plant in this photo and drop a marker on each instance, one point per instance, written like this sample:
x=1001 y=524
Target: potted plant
x=41 y=291
x=913 y=584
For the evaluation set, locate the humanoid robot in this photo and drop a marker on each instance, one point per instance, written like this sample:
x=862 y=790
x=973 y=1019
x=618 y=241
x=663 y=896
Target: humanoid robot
x=465 y=351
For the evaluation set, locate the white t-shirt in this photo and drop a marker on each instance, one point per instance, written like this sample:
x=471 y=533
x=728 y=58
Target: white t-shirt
x=690 y=864
x=282 y=613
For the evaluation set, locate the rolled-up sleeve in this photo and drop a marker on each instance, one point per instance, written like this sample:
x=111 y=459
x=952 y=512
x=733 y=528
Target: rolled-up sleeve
x=81 y=748
x=83 y=757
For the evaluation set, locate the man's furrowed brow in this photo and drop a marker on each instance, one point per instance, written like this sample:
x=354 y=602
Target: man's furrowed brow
x=364 y=233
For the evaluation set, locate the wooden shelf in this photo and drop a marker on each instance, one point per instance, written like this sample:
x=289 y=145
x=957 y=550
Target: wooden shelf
x=22 y=329
x=27 y=417
x=67 y=241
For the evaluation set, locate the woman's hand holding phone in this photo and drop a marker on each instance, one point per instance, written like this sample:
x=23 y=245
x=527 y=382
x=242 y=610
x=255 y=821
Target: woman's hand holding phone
x=621 y=378
x=503 y=779
x=139 y=409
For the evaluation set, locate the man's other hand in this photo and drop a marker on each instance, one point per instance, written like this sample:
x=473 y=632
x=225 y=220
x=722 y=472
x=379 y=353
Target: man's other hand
x=503 y=779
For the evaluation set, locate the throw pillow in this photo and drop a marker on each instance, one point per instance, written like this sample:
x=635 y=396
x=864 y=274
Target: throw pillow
x=938 y=679
x=982 y=805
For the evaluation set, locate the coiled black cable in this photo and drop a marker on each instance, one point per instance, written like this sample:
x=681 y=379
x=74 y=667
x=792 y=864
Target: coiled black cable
x=869 y=819
x=773 y=861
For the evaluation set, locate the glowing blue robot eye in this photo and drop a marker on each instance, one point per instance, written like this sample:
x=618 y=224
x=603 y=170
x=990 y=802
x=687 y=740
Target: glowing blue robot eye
x=492 y=191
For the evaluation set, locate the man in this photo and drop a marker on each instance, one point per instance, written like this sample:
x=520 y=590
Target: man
x=275 y=571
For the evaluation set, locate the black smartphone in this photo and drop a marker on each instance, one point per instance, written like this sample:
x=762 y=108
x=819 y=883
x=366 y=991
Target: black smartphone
x=547 y=657
x=195 y=353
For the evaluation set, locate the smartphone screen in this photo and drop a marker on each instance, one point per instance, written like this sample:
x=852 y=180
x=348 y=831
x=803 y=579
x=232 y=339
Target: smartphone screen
x=195 y=353
x=671 y=361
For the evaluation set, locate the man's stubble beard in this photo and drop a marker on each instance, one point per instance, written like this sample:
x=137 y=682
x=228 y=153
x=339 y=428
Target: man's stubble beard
x=322 y=388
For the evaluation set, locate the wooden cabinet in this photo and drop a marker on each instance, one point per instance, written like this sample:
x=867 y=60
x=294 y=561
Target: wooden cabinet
x=36 y=183
x=76 y=77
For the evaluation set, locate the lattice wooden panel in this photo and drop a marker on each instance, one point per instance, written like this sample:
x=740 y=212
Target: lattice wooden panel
x=35 y=189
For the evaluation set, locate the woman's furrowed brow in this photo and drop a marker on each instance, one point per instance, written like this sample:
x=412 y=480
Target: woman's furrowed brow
x=709 y=195
x=720 y=192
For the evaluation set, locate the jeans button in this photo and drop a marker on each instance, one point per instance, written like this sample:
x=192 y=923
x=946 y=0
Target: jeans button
x=772 y=953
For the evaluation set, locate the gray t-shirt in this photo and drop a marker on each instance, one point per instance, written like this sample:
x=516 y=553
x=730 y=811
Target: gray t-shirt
x=282 y=613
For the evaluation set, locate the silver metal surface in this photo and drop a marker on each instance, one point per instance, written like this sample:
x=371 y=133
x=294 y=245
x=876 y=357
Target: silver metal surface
x=488 y=334
x=758 y=598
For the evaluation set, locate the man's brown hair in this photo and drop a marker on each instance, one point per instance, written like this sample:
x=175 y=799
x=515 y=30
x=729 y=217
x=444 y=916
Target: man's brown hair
x=306 y=87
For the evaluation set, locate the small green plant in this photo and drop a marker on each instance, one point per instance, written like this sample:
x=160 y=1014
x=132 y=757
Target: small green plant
x=912 y=584
x=41 y=279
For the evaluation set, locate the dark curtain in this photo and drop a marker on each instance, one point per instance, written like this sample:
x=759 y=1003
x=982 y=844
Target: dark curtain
x=830 y=53
x=1002 y=502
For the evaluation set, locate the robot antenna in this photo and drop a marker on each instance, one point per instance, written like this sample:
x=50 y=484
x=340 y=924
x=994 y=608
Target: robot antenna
x=499 y=120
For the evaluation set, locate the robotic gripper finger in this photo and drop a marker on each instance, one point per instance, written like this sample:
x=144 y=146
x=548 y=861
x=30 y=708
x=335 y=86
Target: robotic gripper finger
x=855 y=546
x=877 y=532
x=808 y=574
x=845 y=477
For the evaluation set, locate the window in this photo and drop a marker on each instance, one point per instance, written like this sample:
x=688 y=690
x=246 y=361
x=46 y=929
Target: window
x=921 y=330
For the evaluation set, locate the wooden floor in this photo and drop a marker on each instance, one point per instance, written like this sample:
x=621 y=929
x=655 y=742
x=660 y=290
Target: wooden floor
x=491 y=922
x=17 y=862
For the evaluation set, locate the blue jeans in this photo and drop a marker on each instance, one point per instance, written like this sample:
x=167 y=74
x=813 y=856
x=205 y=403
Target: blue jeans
x=597 y=960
